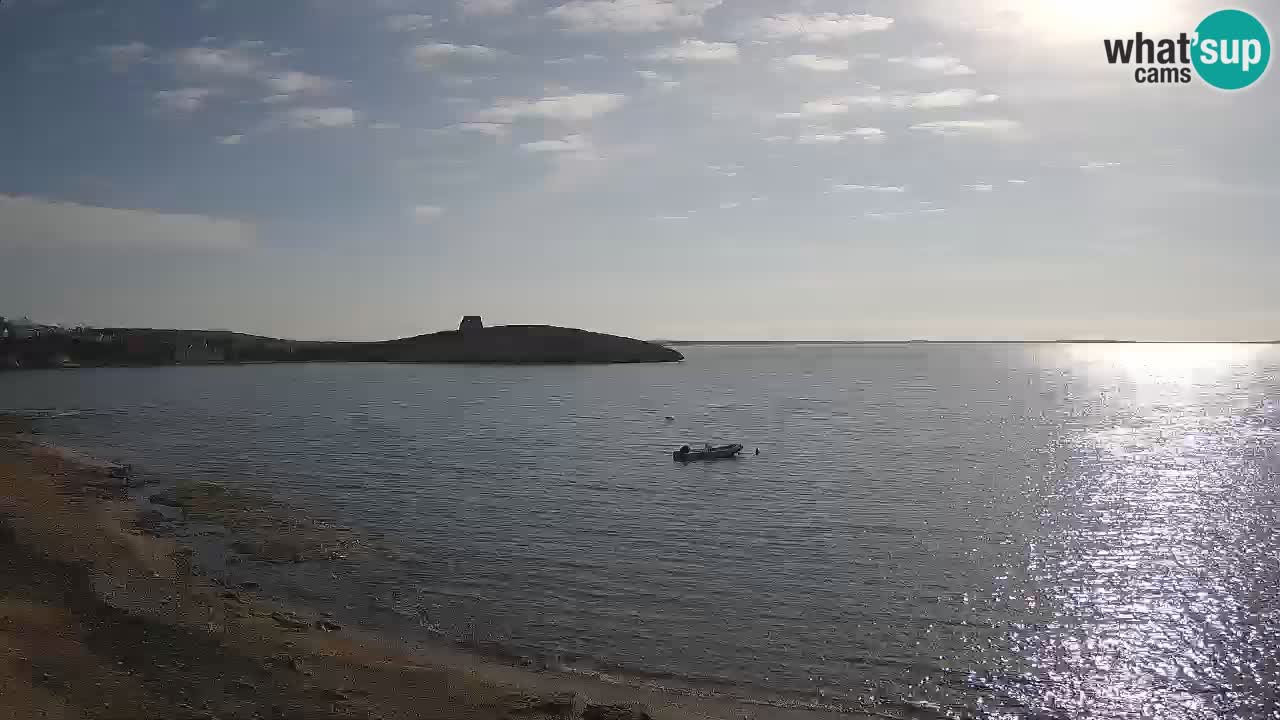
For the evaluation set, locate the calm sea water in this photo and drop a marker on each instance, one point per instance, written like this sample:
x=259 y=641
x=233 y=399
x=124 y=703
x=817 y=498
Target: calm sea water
x=1002 y=530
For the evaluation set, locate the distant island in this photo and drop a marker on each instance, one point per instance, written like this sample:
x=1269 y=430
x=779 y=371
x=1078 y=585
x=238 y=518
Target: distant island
x=26 y=345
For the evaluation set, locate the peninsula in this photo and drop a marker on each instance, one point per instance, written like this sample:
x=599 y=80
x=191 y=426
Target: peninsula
x=472 y=342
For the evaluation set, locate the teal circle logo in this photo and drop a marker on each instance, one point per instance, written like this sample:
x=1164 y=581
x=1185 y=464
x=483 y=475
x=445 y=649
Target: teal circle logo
x=1231 y=50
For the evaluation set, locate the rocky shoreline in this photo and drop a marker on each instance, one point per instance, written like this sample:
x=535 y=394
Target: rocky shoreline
x=109 y=608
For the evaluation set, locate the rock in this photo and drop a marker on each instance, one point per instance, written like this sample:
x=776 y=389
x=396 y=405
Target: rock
x=249 y=585
x=167 y=499
x=614 y=712
x=290 y=620
x=244 y=685
x=328 y=625
x=561 y=703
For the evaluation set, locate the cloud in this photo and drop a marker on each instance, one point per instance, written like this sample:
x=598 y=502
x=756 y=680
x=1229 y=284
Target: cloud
x=236 y=61
x=304 y=118
x=867 y=134
x=570 y=143
x=122 y=57
x=583 y=106
x=384 y=126
x=1095 y=165
x=944 y=64
x=230 y=139
x=292 y=82
x=658 y=80
x=498 y=130
x=729 y=205
x=1016 y=181
x=575 y=59
x=410 y=22
x=950 y=98
x=486 y=7
x=697 y=51
x=869 y=188
x=424 y=214
x=183 y=99
x=820 y=27
x=41 y=224
x=994 y=126
x=816 y=63
x=429 y=55
x=980 y=187
x=672 y=217
x=632 y=16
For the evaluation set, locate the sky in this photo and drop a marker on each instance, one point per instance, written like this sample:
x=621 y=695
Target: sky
x=687 y=169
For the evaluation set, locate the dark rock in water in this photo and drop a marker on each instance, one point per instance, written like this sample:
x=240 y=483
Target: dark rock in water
x=290 y=620
x=614 y=712
x=166 y=499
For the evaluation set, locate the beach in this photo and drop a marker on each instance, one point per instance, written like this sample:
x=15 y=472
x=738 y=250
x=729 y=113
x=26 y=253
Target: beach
x=105 y=614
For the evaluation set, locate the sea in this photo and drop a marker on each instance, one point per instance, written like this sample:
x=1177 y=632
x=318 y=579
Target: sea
x=1049 y=530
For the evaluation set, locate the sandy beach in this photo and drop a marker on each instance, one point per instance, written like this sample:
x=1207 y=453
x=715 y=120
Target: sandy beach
x=105 y=614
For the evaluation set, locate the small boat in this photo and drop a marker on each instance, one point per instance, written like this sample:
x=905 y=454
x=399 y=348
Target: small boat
x=709 y=452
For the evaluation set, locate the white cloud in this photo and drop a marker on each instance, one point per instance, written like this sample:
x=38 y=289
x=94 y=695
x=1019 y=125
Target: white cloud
x=950 y=98
x=575 y=59
x=658 y=80
x=817 y=63
x=944 y=64
x=994 y=126
x=1016 y=181
x=1095 y=165
x=122 y=57
x=697 y=51
x=570 y=143
x=410 y=22
x=183 y=99
x=277 y=99
x=430 y=55
x=672 y=217
x=582 y=106
x=486 y=7
x=498 y=130
x=292 y=82
x=221 y=61
x=632 y=16
x=729 y=205
x=980 y=187
x=304 y=118
x=230 y=139
x=820 y=139
x=384 y=126
x=867 y=134
x=869 y=188
x=427 y=213
x=40 y=224
x=820 y=27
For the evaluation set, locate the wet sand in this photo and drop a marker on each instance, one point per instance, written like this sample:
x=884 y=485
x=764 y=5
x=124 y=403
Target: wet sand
x=104 y=613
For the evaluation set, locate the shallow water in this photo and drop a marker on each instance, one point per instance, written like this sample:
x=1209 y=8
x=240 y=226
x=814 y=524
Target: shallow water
x=1007 y=530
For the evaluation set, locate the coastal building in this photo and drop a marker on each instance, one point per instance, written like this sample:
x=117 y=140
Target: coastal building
x=471 y=322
